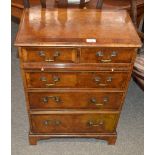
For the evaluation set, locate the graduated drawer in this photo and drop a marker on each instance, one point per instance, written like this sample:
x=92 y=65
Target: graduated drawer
x=76 y=79
x=106 y=55
x=49 y=55
x=75 y=100
x=73 y=123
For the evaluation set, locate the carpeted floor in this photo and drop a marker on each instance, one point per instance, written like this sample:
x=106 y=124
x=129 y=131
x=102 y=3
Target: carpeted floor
x=130 y=127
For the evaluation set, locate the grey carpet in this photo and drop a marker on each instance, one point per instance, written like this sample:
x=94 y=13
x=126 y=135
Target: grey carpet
x=130 y=127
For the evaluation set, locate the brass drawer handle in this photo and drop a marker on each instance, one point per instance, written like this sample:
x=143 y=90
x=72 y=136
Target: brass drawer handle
x=105 y=99
x=50 y=84
x=41 y=53
x=102 y=84
x=98 y=80
x=105 y=60
x=43 y=79
x=49 y=60
x=113 y=54
x=55 y=80
x=94 y=101
x=52 y=122
x=109 y=79
x=101 y=54
x=91 y=123
x=56 y=54
x=55 y=98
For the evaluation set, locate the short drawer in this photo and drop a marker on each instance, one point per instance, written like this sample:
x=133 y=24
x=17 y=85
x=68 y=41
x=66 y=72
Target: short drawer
x=75 y=100
x=77 y=79
x=106 y=55
x=51 y=80
x=49 y=55
x=73 y=123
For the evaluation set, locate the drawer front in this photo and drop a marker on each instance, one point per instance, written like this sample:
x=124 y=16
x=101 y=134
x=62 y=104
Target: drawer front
x=73 y=123
x=106 y=55
x=50 y=55
x=77 y=79
x=71 y=100
x=51 y=80
x=103 y=80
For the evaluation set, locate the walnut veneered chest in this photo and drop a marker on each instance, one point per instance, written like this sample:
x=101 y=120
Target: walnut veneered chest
x=76 y=66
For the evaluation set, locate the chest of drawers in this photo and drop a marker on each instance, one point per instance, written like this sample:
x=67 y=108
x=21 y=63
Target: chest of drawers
x=76 y=66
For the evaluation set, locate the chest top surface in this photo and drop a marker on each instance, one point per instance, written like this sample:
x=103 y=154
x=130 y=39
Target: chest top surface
x=76 y=27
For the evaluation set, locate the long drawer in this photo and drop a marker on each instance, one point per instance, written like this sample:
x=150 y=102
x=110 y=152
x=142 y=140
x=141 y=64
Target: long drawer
x=77 y=79
x=75 y=100
x=73 y=123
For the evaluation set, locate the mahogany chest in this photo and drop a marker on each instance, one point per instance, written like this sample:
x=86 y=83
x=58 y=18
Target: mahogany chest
x=76 y=66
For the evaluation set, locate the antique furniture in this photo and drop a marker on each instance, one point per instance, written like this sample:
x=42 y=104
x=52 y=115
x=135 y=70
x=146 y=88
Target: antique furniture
x=17 y=5
x=75 y=70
